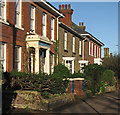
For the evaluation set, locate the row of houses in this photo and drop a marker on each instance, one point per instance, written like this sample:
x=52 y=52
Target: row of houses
x=35 y=36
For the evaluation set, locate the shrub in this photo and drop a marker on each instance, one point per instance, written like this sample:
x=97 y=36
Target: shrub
x=46 y=84
x=94 y=73
x=61 y=71
x=108 y=75
x=77 y=75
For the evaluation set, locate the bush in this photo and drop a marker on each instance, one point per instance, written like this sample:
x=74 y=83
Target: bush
x=108 y=76
x=94 y=73
x=61 y=71
x=46 y=84
x=77 y=75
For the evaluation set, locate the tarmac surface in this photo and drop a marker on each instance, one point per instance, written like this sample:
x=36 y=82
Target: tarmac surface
x=108 y=103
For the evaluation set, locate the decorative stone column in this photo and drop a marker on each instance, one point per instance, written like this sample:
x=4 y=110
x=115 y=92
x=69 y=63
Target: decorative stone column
x=37 y=60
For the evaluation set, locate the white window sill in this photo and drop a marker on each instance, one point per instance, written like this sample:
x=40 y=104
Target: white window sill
x=31 y=32
x=19 y=27
x=4 y=22
x=53 y=40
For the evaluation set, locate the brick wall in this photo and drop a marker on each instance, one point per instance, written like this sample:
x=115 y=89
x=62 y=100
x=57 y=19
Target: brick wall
x=69 y=52
x=14 y=36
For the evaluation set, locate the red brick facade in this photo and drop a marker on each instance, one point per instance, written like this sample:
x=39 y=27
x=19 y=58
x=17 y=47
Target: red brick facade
x=13 y=36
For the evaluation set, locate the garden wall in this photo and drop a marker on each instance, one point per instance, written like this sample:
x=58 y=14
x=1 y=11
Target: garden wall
x=33 y=100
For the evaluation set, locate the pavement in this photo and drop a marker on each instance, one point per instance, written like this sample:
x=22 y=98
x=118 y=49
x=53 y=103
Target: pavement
x=101 y=104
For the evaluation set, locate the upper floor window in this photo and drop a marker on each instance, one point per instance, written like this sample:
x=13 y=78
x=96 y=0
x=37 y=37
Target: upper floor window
x=89 y=48
x=79 y=47
x=99 y=52
x=18 y=58
x=3 y=56
x=52 y=28
x=44 y=20
x=73 y=44
x=18 y=12
x=65 y=40
x=32 y=18
x=95 y=51
x=3 y=10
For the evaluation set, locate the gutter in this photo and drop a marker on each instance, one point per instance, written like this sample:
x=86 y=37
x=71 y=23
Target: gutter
x=93 y=38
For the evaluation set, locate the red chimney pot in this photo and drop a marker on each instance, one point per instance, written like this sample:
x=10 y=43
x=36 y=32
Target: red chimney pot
x=59 y=7
x=82 y=23
x=69 y=6
x=62 y=6
x=65 y=6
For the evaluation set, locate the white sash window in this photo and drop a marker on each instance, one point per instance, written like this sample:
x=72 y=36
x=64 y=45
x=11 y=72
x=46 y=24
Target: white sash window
x=44 y=21
x=3 y=56
x=73 y=44
x=79 y=47
x=18 y=12
x=18 y=58
x=3 y=10
x=32 y=18
x=52 y=29
x=65 y=41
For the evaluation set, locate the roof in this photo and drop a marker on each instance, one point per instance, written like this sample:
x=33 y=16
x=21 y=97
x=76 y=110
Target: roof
x=49 y=7
x=85 y=33
x=70 y=29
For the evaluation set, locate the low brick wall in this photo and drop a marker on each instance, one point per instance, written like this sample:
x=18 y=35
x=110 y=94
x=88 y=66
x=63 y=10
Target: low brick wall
x=33 y=100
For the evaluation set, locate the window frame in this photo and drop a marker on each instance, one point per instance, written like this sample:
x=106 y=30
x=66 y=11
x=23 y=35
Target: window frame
x=52 y=29
x=18 y=61
x=73 y=45
x=4 y=46
x=4 y=8
x=44 y=24
x=18 y=13
x=32 y=18
x=65 y=40
x=80 y=47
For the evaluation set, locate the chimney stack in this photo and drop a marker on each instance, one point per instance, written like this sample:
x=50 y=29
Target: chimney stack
x=67 y=11
x=106 y=52
x=110 y=55
x=82 y=26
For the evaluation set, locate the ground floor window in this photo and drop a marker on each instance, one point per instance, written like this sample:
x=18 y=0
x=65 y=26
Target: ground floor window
x=52 y=63
x=3 y=56
x=18 y=58
x=31 y=59
x=69 y=63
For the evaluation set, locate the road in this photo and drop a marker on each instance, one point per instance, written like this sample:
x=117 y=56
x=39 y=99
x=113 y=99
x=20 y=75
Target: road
x=106 y=103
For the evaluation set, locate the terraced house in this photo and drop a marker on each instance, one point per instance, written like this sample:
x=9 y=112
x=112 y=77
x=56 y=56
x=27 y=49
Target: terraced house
x=29 y=34
x=28 y=37
x=77 y=47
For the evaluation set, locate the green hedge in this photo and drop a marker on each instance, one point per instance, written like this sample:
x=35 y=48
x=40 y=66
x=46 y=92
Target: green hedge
x=46 y=84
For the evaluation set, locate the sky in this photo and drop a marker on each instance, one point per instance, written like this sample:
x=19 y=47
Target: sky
x=100 y=19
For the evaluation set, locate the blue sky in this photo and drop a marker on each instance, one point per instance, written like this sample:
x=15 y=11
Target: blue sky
x=100 y=19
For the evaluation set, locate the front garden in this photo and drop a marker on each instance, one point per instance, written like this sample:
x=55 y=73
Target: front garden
x=42 y=91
